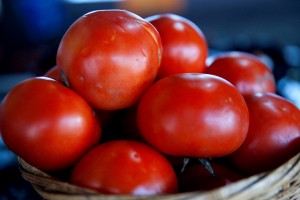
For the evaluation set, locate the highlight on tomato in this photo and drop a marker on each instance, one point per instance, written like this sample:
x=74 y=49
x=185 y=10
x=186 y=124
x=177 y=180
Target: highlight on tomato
x=110 y=57
x=56 y=74
x=273 y=136
x=244 y=70
x=47 y=124
x=193 y=115
x=184 y=44
x=125 y=167
x=132 y=105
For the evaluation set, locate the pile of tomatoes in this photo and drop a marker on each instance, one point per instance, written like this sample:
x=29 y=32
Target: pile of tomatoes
x=134 y=104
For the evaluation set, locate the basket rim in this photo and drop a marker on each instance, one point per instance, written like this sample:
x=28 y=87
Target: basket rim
x=264 y=185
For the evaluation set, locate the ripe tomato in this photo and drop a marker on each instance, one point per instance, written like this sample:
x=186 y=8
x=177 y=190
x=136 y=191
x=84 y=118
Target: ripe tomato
x=55 y=73
x=110 y=57
x=125 y=167
x=273 y=137
x=196 y=115
x=184 y=45
x=243 y=70
x=196 y=177
x=47 y=124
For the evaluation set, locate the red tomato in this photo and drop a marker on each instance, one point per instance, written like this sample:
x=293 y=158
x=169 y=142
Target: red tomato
x=54 y=73
x=47 y=124
x=125 y=167
x=110 y=57
x=184 y=45
x=196 y=115
x=273 y=137
x=197 y=178
x=243 y=70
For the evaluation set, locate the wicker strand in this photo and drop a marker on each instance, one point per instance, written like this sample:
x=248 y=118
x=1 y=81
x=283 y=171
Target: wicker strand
x=281 y=183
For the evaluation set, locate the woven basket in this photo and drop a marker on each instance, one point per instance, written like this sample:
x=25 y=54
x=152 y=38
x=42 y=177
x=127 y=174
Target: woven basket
x=281 y=183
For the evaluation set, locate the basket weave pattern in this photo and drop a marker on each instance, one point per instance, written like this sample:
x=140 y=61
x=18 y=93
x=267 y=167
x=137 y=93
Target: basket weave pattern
x=281 y=183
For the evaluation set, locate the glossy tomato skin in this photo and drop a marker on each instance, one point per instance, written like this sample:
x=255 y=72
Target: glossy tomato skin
x=273 y=137
x=55 y=73
x=196 y=115
x=110 y=57
x=243 y=70
x=184 y=45
x=47 y=124
x=125 y=167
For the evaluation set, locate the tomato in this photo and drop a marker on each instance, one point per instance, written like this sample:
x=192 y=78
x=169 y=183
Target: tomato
x=197 y=178
x=47 y=124
x=273 y=137
x=193 y=115
x=110 y=57
x=55 y=73
x=184 y=45
x=243 y=70
x=125 y=167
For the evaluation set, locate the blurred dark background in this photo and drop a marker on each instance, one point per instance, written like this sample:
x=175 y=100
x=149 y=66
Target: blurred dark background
x=30 y=32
